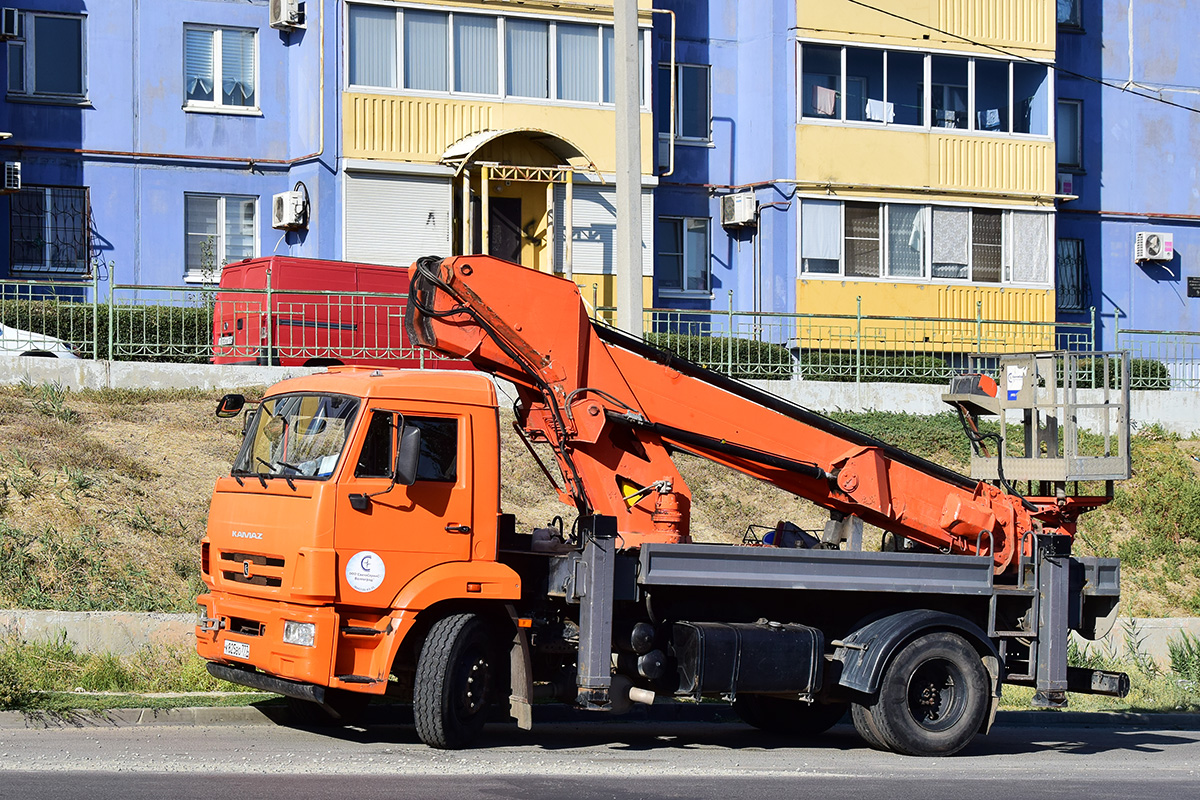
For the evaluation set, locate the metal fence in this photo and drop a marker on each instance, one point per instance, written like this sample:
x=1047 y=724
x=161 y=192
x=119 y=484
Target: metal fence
x=108 y=320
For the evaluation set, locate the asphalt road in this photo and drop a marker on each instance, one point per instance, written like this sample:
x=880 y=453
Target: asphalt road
x=573 y=762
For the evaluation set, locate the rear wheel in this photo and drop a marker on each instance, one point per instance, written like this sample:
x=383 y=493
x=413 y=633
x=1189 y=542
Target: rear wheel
x=933 y=698
x=782 y=715
x=865 y=725
x=340 y=708
x=456 y=682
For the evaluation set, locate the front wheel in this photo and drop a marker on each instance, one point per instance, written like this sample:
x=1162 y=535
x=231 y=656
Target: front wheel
x=456 y=682
x=933 y=698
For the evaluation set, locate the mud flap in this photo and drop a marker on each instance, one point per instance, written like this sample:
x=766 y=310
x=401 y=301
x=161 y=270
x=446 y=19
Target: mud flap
x=520 y=673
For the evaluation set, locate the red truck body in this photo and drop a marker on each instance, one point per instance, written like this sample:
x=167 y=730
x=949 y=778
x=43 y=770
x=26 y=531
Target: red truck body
x=320 y=313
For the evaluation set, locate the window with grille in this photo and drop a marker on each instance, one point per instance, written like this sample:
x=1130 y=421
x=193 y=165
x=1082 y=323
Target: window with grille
x=1073 y=290
x=219 y=68
x=49 y=231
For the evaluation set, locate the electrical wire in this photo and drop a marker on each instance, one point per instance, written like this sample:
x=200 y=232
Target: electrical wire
x=977 y=438
x=1020 y=57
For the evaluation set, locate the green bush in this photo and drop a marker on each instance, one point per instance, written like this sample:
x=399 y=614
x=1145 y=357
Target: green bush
x=144 y=333
x=738 y=358
x=835 y=366
x=1185 y=656
x=1144 y=373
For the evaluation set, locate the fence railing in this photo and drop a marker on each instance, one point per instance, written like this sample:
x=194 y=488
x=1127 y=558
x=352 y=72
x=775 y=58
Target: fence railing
x=108 y=320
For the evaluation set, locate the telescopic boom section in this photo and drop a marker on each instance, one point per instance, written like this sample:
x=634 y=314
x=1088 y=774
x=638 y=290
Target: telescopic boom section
x=612 y=409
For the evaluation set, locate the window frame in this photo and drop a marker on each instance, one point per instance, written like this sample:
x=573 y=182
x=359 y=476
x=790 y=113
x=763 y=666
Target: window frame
x=220 y=256
x=706 y=268
x=1069 y=25
x=27 y=43
x=928 y=124
x=1063 y=166
x=1082 y=286
x=1007 y=244
x=501 y=94
x=46 y=267
x=217 y=104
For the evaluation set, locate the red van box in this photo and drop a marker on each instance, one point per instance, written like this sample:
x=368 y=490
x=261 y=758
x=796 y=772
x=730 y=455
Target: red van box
x=318 y=316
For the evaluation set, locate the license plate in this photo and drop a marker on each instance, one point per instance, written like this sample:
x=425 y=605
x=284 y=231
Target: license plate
x=237 y=649
x=224 y=341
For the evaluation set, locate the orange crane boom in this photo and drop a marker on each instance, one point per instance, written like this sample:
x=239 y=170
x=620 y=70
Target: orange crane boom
x=612 y=408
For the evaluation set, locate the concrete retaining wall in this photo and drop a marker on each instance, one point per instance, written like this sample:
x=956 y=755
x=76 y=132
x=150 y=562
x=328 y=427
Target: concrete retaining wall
x=124 y=633
x=85 y=374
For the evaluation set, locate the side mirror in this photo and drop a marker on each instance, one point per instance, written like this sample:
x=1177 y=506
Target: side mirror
x=407 y=456
x=230 y=405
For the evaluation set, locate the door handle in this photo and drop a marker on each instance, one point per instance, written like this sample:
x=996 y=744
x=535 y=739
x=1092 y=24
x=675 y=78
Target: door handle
x=453 y=528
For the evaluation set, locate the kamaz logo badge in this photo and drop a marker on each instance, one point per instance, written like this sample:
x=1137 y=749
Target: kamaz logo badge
x=246 y=569
x=246 y=534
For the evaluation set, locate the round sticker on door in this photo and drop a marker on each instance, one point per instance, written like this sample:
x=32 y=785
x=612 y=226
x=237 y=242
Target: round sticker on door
x=365 y=571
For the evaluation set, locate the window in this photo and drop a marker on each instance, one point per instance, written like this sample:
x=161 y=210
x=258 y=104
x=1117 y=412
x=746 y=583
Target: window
x=682 y=260
x=219 y=229
x=862 y=240
x=439 y=448
x=500 y=56
x=885 y=87
x=377 y=458
x=1067 y=134
x=50 y=61
x=49 y=230
x=1074 y=291
x=693 y=115
x=219 y=68
x=1068 y=14
x=910 y=241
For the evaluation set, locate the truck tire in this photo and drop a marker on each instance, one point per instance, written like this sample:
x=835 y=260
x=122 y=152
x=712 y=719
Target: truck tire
x=865 y=725
x=455 y=682
x=787 y=717
x=933 y=697
x=347 y=709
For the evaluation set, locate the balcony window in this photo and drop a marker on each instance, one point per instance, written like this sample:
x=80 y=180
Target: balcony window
x=372 y=33
x=906 y=88
x=991 y=95
x=426 y=51
x=821 y=82
x=1031 y=89
x=862 y=240
x=528 y=58
x=905 y=240
x=475 y=54
x=578 y=62
x=949 y=89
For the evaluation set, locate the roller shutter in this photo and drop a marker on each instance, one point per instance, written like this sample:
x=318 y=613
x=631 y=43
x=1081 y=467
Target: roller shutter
x=595 y=232
x=396 y=219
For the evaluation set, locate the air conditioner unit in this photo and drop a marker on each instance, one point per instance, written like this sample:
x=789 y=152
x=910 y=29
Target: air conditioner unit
x=287 y=14
x=289 y=211
x=11 y=26
x=12 y=176
x=1066 y=183
x=738 y=210
x=1150 y=246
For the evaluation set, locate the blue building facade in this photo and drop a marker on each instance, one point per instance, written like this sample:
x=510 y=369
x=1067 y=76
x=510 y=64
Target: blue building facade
x=151 y=137
x=734 y=131
x=1133 y=162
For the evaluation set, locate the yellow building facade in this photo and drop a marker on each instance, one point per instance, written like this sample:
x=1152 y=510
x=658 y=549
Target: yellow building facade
x=474 y=127
x=925 y=163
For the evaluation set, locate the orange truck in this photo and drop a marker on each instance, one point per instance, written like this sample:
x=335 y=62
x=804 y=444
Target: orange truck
x=358 y=549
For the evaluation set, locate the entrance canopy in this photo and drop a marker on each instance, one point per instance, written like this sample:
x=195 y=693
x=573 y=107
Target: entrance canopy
x=462 y=152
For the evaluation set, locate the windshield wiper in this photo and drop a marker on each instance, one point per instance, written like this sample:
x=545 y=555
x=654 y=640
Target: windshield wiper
x=271 y=474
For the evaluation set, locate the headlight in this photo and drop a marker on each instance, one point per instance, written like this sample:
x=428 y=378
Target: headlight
x=302 y=633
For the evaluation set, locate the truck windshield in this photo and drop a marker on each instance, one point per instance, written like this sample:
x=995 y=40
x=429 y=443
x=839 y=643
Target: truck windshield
x=297 y=436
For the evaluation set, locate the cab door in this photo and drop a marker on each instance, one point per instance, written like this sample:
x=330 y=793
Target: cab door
x=398 y=532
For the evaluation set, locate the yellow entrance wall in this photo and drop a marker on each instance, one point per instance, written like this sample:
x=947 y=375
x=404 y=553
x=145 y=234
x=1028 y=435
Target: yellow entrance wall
x=930 y=301
x=984 y=167
x=400 y=128
x=1023 y=27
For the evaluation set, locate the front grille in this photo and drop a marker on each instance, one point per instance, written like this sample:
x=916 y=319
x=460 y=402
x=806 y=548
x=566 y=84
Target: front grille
x=264 y=570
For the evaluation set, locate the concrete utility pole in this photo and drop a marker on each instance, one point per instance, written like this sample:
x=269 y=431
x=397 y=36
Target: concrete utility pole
x=627 y=258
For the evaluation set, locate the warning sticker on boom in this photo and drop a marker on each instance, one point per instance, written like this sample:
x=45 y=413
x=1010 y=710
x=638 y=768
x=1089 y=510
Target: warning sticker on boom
x=365 y=571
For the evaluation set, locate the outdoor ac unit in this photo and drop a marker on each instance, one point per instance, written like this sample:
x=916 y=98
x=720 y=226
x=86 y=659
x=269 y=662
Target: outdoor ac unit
x=10 y=24
x=287 y=14
x=1150 y=246
x=1066 y=183
x=738 y=210
x=12 y=176
x=289 y=211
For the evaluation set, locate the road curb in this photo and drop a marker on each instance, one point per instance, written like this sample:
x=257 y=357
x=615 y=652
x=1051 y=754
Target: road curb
x=277 y=714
